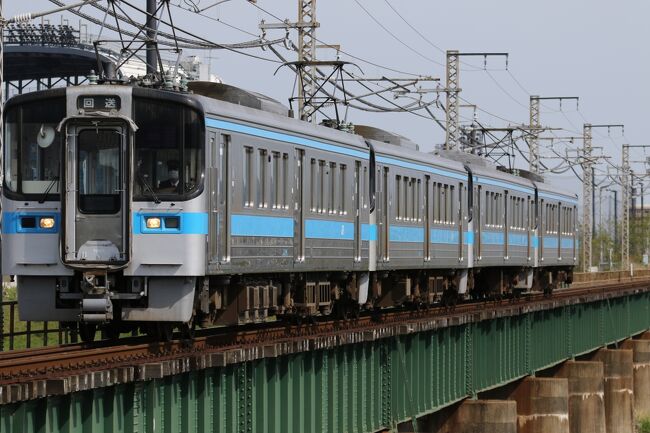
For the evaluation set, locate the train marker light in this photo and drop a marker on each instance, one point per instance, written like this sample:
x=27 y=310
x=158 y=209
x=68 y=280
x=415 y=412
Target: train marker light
x=153 y=223
x=46 y=223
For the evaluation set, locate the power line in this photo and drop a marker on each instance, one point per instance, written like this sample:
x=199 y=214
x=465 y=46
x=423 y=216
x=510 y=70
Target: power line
x=395 y=36
x=369 y=62
x=414 y=29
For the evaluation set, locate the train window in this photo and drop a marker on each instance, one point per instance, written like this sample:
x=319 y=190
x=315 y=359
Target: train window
x=314 y=177
x=32 y=165
x=285 y=180
x=443 y=203
x=408 y=198
x=99 y=170
x=322 y=192
x=398 y=197
x=169 y=149
x=365 y=198
x=333 y=189
x=418 y=214
x=276 y=181
x=451 y=207
x=342 y=181
x=262 y=180
x=248 y=176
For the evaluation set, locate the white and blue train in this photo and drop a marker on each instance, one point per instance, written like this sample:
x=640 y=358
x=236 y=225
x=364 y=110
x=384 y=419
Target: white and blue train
x=129 y=206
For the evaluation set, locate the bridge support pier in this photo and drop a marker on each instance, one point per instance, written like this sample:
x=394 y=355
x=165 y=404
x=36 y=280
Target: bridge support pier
x=542 y=405
x=619 y=389
x=641 y=358
x=486 y=416
x=586 y=396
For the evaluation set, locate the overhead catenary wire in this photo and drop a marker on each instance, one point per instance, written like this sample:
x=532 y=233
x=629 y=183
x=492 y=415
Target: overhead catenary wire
x=394 y=36
x=352 y=56
x=201 y=43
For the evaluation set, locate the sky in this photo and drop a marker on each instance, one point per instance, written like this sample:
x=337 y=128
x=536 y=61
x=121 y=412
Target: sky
x=590 y=49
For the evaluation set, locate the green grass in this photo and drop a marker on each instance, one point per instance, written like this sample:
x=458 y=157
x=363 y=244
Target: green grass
x=20 y=341
x=643 y=425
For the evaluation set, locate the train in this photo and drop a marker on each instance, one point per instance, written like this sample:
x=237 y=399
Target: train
x=129 y=207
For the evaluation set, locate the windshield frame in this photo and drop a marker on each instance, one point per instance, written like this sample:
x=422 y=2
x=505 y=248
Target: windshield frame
x=17 y=102
x=189 y=105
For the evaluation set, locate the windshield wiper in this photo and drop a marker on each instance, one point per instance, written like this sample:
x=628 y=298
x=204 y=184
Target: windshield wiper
x=146 y=185
x=48 y=189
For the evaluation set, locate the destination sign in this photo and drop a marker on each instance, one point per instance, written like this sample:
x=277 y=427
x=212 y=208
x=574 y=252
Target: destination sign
x=99 y=102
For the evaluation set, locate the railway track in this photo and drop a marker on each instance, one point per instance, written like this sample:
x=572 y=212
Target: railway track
x=56 y=362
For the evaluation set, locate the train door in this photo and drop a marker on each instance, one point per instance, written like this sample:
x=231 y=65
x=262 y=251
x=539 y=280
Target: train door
x=506 y=224
x=459 y=218
x=96 y=197
x=559 y=226
x=479 y=222
x=529 y=226
x=426 y=222
x=357 y=209
x=219 y=240
x=385 y=231
x=541 y=228
x=574 y=212
x=299 y=205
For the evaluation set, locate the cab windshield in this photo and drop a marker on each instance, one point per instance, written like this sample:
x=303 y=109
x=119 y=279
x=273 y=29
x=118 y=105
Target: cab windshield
x=32 y=147
x=168 y=163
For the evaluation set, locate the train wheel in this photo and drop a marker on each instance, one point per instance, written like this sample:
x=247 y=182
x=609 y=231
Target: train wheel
x=112 y=331
x=188 y=329
x=87 y=332
x=356 y=310
x=165 y=331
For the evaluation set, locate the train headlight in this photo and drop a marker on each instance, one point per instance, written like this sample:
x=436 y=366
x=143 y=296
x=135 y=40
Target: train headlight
x=153 y=223
x=46 y=223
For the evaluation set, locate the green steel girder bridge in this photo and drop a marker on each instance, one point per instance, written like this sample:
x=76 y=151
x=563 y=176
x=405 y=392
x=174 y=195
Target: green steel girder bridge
x=362 y=383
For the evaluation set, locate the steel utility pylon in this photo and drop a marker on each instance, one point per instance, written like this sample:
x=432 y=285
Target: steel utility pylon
x=453 y=90
x=307 y=25
x=625 y=226
x=535 y=127
x=587 y=191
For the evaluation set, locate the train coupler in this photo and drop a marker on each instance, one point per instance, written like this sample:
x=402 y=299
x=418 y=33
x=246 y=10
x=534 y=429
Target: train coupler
x=96 y=309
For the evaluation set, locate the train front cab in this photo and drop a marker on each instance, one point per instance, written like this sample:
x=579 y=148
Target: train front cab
x=118 y=242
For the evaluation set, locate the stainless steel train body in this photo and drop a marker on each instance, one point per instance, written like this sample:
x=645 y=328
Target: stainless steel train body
x=124 y=204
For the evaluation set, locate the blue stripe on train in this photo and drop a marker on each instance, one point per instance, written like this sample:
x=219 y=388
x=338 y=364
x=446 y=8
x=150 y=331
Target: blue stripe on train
x=438 y=236
x=368 y=232
x=263 y=226
x=492 y=238
x=517 y=239
x=323 y=229
x=444 y=236
x=406 y=234
x=283 y=227
x=567 y=243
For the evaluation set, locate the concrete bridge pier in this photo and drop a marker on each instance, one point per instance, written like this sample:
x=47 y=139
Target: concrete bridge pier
x=586 y=395
x=641 y=357
x=470 y=416
x=542 y=405
x=619 y=389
